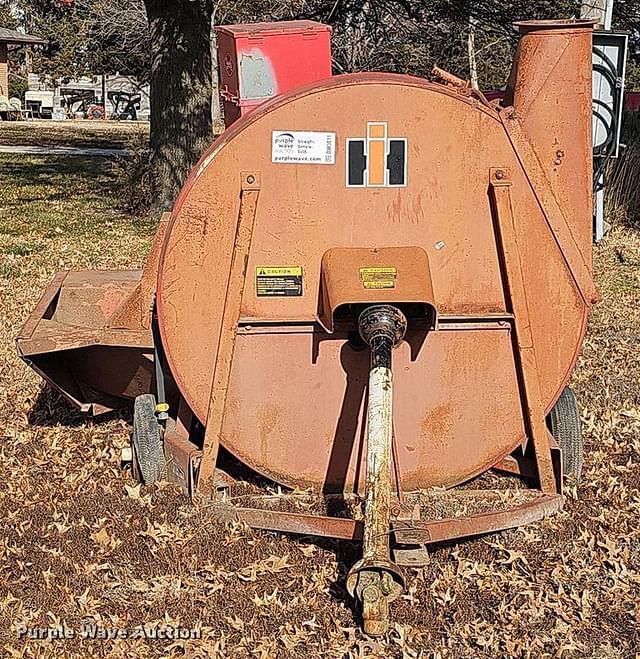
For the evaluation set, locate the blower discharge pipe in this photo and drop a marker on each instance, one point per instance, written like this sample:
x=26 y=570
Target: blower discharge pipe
x=375 y=581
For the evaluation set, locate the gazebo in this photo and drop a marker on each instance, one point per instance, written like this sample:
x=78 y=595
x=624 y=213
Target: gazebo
x=9 y=38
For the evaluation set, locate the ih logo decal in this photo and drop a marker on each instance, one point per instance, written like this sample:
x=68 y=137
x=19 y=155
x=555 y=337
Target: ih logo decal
x=378 y=161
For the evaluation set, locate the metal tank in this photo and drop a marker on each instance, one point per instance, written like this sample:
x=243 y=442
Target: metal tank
x=372 y=286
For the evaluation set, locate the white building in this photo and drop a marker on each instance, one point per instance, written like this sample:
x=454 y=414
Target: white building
x=113 y=83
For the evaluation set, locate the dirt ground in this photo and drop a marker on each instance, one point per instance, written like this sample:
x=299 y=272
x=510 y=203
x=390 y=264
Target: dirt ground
x=81 y=544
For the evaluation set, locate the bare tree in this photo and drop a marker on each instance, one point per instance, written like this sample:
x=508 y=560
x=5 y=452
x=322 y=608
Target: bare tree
x=124 y=21
x=168 y=41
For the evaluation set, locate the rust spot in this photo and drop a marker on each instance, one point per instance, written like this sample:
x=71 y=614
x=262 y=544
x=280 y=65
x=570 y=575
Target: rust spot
x=269 y=414
x=110 y=300
x=395 y=209
x=418 y=212
x=437 y=424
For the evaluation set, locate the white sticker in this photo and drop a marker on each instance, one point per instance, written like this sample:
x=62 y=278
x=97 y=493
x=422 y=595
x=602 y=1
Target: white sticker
x=308 y=147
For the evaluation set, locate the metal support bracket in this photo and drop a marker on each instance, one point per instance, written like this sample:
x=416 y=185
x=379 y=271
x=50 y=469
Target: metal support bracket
x=249 y=194
x=506 y=233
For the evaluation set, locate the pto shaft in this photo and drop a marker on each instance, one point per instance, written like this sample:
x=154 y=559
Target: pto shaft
x=375 y=580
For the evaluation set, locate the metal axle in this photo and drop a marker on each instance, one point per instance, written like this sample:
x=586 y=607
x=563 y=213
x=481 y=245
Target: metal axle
x=375 y=580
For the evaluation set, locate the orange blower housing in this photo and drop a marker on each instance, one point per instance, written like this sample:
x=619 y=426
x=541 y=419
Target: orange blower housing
x=472 y=218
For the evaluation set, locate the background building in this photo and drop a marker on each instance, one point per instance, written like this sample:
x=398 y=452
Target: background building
x=112 y=83
x=10 y=38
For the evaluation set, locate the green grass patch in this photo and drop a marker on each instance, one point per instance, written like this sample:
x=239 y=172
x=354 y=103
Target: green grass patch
x=65 y=212
x=62 y=197
x=9 y=270
x=21 y=249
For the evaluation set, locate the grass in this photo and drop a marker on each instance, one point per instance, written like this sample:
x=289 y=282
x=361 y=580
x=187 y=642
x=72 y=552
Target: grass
x=22 y=249
x=77 y=133
x=66 y=207
x=80 y=543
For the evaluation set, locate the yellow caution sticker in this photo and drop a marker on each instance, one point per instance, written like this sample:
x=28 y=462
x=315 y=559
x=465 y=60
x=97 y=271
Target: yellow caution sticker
x=285 y=281
x=378 y=277
x=270 y=271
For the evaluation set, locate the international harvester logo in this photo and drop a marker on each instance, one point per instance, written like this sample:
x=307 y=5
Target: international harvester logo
x=377 y=161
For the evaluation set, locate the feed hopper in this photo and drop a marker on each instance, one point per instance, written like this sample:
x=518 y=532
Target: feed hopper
x=371 y=289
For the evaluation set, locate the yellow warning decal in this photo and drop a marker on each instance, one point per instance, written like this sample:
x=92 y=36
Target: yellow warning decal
x=263 y=271
x=379 y=284
x=378 y=277
x=280 y=281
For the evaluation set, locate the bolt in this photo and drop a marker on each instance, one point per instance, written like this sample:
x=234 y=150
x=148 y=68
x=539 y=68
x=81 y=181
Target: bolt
x=371 y=593
x=499 y=174
x=251 y=178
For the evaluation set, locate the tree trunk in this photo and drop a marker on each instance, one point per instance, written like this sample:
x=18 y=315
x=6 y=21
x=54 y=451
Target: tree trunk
x=216 y=106
x=180 y=94
x=471 y=51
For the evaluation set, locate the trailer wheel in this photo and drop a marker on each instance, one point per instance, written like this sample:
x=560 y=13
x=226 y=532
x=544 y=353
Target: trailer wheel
x=146 y=441
x=564 y=424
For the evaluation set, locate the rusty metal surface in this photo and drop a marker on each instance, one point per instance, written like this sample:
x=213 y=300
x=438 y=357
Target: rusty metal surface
x=89 y=335
x=78 y=301
x=96 y=378
x=68 y=341
x=316 y=525
x=317 y=438
x=556 y=217
x=411 y=556
x=249 y=186
x=86 y=298
x=305 y=210
x=551 y=92
x=375 y=584
x=427 y=532
x=449 y=432
x=405 y=532
x=135 y=311
x=43 y=308
x=533 y=411
x=180 y=454
x=357 y=276
x=463 y=86
x=495 y=206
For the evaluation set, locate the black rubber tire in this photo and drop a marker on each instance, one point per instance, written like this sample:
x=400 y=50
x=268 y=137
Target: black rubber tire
x=564 y=424
x=146 y=440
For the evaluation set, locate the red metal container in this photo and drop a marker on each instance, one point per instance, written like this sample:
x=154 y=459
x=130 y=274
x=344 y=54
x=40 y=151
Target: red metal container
x=261 y=60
